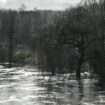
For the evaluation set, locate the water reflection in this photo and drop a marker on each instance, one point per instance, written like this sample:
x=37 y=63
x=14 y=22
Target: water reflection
x=27 y=86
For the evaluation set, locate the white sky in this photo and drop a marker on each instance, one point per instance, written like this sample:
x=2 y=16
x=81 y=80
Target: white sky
x=40 y=4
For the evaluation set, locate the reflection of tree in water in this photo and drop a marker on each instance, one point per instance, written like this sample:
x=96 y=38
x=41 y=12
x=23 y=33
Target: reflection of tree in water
x=100 y=85
x=50 y=91
x=49 y=85
x=74 y=92
x=65 y=93
x=80 y=89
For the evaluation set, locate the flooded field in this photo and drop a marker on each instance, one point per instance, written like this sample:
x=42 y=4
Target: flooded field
x=27 y=86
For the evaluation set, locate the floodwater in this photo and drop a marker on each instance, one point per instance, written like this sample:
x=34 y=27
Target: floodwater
x=27 y=86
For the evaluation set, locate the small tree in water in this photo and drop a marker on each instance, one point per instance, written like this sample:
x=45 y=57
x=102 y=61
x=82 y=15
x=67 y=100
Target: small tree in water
x=73 y=32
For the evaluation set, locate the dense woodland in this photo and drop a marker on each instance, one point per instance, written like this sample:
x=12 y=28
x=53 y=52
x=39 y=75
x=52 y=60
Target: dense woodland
x=66 y=41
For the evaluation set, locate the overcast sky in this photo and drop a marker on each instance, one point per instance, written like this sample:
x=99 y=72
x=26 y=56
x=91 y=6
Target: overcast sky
x=40 y=4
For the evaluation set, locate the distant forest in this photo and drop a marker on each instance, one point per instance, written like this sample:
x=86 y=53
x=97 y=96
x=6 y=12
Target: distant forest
x=66 y=41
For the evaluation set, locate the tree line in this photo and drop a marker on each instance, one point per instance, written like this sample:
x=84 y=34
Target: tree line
x=76 y=40
x=66 y=41
x=18 y=32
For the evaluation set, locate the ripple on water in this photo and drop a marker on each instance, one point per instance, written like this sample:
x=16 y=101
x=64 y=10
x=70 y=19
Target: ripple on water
x=27 y=86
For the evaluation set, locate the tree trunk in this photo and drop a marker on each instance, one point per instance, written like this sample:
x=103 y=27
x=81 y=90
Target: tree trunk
x=10 y=37
x=79 y=67
x=10 y=51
